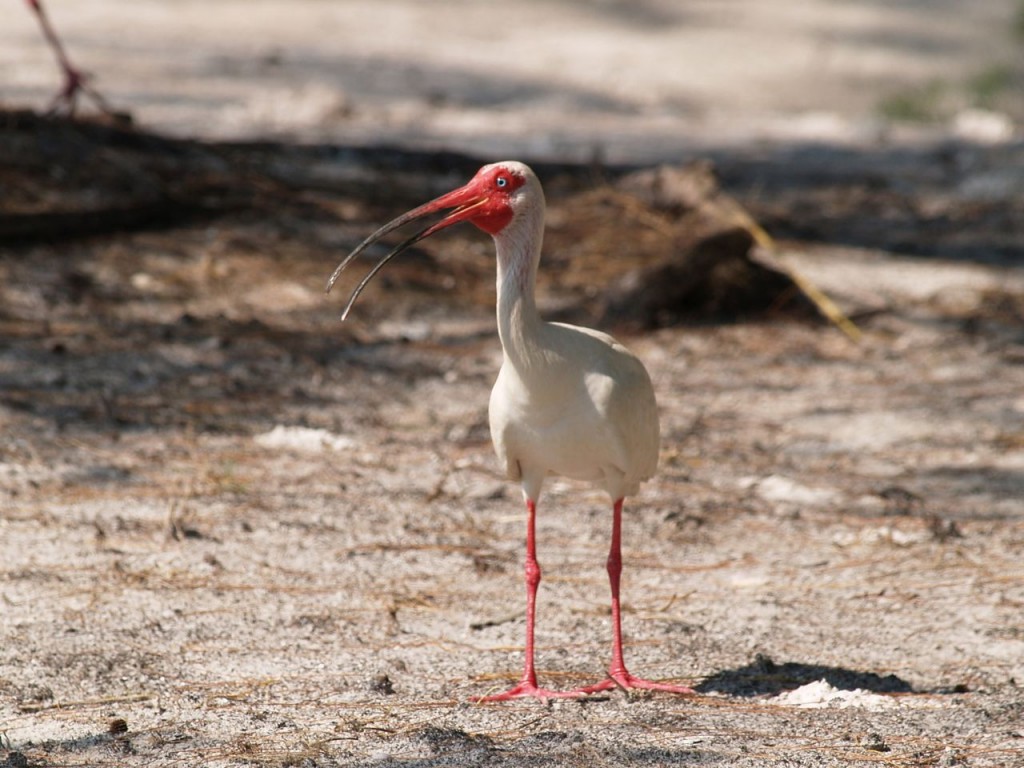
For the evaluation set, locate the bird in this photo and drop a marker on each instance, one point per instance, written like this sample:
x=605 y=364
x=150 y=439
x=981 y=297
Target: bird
x=75 y=80
x=568 y=401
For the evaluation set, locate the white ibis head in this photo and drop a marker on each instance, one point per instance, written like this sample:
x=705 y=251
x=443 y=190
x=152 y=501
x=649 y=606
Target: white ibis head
x=495 y=198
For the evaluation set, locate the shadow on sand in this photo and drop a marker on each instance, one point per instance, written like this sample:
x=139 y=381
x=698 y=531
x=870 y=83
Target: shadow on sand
x=765 y=677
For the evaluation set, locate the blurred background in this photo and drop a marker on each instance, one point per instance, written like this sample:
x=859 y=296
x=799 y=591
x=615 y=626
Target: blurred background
x=627 y=79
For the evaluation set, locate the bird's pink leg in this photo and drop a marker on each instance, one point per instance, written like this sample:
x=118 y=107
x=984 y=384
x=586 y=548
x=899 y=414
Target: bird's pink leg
x=618 y=675
x=528 y=685
x=75 y=80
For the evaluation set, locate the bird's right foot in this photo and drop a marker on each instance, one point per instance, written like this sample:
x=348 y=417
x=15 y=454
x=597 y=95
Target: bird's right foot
x=525 y=690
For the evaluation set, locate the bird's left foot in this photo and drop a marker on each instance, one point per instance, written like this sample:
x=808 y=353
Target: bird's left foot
x=627 y=682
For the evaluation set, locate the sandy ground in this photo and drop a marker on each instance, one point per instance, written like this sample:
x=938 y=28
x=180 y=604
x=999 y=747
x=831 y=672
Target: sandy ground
x=235 y=532
x=249 y=535
x=626 y=79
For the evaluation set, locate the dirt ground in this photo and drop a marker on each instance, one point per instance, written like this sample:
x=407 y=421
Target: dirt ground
x=559 y=79
x=234 y=531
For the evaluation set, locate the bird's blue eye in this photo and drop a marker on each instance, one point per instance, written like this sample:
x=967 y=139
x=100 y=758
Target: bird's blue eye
x=501 y=182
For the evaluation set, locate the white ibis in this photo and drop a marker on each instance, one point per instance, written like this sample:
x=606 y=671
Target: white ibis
x=568 y=401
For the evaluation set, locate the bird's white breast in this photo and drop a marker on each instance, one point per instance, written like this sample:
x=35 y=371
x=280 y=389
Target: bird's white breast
x=583 y=408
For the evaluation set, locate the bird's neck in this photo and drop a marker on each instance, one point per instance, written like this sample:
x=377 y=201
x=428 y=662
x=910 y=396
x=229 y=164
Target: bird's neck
x=519 y=324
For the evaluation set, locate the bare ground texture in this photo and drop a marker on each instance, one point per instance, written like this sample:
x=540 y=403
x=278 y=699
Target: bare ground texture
x=237 y=532
x=558 y=79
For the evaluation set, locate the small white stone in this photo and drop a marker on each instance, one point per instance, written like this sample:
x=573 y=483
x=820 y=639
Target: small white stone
x=303 y=439
x=983 y=126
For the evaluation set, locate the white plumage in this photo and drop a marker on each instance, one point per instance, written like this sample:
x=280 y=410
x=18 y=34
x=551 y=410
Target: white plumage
x=568 y=401
x=584 y=408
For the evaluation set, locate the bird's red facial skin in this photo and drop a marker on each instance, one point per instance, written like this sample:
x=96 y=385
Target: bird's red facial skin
x=497 y=185
x=493 y=222
x=485 y=201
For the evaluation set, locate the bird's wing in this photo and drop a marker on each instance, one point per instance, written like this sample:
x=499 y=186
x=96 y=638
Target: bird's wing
x=622 y=392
